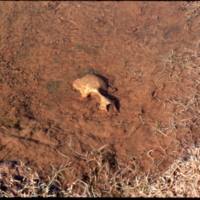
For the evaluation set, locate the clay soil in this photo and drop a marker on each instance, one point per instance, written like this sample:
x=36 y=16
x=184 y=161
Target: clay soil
x=148 y=52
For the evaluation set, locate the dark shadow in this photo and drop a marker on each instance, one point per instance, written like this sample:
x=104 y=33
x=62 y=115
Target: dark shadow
x=114 y=99
x=103 y=78
x=110 y=158
x=10 y=163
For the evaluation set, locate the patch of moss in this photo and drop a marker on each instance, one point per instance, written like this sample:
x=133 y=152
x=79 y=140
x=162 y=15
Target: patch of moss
x=53 y=86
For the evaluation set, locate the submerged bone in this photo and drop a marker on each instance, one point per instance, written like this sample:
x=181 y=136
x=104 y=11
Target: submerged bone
x=90 y=85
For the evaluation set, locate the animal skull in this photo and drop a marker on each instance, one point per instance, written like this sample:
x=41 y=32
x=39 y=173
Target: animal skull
x=90 y=85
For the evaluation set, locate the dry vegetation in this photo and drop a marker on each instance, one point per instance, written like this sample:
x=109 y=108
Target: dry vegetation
x=182 y=179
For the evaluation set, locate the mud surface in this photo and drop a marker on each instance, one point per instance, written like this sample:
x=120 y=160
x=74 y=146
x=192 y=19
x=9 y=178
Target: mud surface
x=148 y=52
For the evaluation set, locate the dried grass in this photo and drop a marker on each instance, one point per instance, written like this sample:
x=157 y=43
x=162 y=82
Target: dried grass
x=182 y=179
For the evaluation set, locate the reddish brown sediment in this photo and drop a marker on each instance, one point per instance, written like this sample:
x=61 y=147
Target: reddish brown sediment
x=147 y=50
